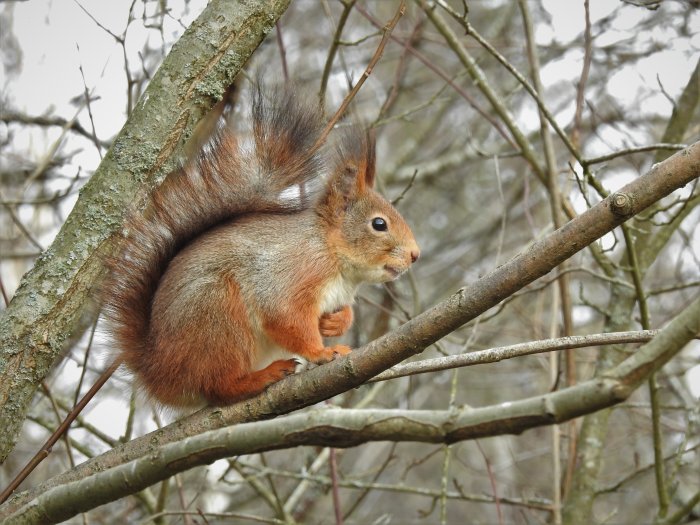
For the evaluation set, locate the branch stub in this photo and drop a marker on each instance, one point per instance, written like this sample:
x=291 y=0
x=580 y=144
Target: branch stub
x=621 y=204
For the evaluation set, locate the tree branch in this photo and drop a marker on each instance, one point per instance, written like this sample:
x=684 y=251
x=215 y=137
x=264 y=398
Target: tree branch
x=495 y=355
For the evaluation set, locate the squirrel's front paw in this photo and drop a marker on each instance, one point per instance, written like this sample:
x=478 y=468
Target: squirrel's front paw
x=335 y=323
x=330 y=353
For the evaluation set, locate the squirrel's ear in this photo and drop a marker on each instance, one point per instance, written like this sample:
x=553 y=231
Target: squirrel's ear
x=353 y=175
x=360 y=157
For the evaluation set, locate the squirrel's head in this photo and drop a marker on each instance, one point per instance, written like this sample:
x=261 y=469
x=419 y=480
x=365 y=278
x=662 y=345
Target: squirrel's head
x=371 y=238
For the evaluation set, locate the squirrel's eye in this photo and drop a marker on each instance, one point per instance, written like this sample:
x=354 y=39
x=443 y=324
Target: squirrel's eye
x=379 y=224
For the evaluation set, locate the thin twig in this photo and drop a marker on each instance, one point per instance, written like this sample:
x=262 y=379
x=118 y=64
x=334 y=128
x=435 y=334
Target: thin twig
x=494 y=355
x=46 y=448
x=389 y=458
x=405 y=190
x=368 y=71
x=630 y=151
x=333 y=50
x=686 y=509
x=533 y=503
x=85 y=361
x=492 y=480
x=575 y=140
x=283 y=51
x=518 y=76
x=401 y=69
x=566 y=308
x=581 y=86
x=257 y=485
x=47 y=121
x=57 y=413
x=661 y=488
x=337 y=507
x=5 y=297
x=87 y=96
x=19 y=224
x=447 y=452
x=223 y=516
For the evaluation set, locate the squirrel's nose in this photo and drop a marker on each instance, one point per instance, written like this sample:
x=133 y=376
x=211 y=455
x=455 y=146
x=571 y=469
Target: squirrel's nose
x=411 y=248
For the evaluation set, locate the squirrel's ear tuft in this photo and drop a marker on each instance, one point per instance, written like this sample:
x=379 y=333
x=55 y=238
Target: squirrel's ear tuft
x=357 y=152
x=370 y=158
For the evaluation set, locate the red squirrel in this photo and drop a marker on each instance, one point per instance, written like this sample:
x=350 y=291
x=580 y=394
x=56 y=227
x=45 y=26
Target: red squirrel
x=249 y=255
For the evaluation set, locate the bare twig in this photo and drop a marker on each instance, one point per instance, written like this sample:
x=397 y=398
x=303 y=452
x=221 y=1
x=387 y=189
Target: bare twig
x=283 y=51
x=448 y=79
x=365 y=75
x=333 y=49
x=533 y=503
x=630 y=151
x=494 y=355
x=581 y=86
x=86 y=98
x=337 y=506
x=492 y=481
x=47 y=121
x=48 y=445
x=16 y=220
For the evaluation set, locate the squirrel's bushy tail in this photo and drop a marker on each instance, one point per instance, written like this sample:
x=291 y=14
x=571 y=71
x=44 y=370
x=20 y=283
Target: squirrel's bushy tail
x=232 y=175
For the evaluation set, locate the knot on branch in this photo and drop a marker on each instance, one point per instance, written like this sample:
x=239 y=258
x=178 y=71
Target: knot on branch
x=622 y=204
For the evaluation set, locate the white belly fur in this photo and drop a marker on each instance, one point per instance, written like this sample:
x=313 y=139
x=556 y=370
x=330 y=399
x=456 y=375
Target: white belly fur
x=336 y=294
x=269 y=352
